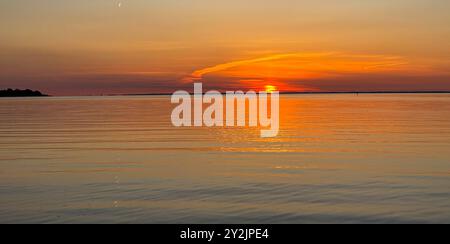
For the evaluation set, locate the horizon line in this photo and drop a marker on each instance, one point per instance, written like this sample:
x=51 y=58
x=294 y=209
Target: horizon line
x=287 y=93
x=281 y=93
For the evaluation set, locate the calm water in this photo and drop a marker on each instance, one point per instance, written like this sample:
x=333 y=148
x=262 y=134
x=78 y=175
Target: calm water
x=338 y=159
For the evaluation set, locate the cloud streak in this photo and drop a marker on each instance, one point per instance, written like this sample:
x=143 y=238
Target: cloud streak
x=198 y=74
x=302 y=65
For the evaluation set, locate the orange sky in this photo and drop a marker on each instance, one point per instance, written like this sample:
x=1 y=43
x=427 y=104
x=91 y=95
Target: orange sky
x=91 y=47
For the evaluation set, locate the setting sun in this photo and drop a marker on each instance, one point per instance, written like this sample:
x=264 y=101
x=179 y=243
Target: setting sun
x=270 y=89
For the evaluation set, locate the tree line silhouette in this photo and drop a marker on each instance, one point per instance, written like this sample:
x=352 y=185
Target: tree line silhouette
x=20 y=93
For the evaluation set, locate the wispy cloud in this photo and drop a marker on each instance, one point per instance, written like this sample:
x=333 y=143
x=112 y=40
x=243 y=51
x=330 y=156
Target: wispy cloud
x=198 y=74
x=295 y=66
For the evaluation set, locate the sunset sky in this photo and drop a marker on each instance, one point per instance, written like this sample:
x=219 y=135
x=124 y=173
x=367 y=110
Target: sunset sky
x=92 y=47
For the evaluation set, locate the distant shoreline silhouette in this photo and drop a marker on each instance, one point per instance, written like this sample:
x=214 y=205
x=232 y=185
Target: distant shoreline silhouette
x=21 y=93
x=30 y=93
x=307 y=93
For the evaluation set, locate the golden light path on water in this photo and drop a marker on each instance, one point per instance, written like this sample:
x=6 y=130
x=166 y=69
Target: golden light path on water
x=338 y=158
